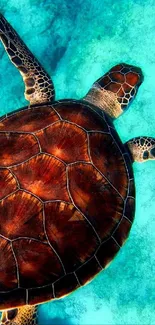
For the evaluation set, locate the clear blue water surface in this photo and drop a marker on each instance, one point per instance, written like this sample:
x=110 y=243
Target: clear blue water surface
x=77 y=41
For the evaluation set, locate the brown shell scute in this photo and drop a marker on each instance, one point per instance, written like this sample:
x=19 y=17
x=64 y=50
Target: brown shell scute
x=21 y=216
x=59 y=140
x=66 y=200
x=64 y=236
x=38 y=295
x=115 y=172
x=29 y=121
x=12 y=299
x=8 y=271
x=16 y=148
x=78 y=113
x=8 y=183
x=29 y=254
x=44 y=176
x=95 y=197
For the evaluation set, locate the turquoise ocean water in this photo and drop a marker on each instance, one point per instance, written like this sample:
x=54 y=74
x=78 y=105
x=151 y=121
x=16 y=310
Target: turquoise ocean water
x=77 y=41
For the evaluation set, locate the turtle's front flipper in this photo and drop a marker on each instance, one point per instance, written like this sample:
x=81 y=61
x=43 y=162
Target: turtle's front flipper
x=114 y=91
x=141 y=148
x=38 y=85
x=26 y=315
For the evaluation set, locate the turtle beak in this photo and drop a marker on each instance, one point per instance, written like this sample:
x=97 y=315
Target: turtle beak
x=138 y=71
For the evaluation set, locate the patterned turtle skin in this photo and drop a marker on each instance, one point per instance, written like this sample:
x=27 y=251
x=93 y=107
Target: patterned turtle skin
x=66 y=199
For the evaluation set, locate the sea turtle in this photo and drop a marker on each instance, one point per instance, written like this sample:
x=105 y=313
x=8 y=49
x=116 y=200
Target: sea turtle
x=66 y=184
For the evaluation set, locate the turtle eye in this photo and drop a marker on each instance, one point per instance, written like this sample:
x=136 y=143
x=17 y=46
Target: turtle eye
x=145 y=155
x=152 y=151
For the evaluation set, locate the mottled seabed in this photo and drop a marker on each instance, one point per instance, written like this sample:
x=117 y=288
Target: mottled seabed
x=77 y=41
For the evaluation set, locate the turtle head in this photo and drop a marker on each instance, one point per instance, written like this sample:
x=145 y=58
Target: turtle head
x=142 y=148
x=116 y=89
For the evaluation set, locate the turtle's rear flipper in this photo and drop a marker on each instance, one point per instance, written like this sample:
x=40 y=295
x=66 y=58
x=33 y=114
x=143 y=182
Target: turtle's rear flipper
x=38 y=85
x=26 y=315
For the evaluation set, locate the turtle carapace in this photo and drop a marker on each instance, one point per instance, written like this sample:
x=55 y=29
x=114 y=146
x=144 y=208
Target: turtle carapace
x=67 y=193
